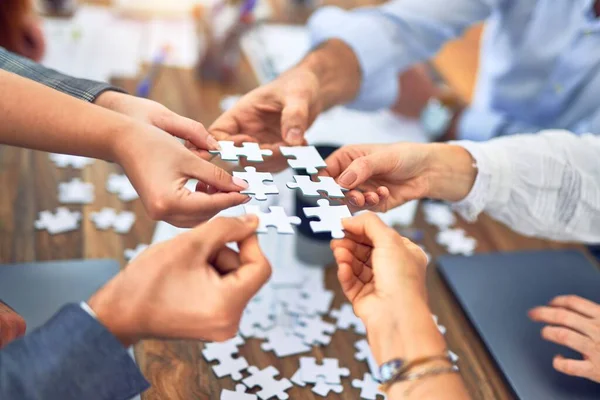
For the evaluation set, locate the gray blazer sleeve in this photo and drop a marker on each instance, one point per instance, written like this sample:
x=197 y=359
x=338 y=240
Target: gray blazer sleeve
x=71 y=357
x=81 y=88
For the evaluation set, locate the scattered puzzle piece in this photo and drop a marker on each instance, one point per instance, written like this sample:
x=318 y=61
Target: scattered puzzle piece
x=346 y=319
x=305 y=157
x=121 y=186
x=314 y=331
x=276 y=218
x=66 y=160
x=265 y=379
x=364 y=353
x=224 y=352
x=369 y=387
x=239 y=394
x=325 y=185
x=329 y=370
x=256 y=184
x=322 y=388
x=330 y=218
x=284 y=344
x=456 y=241
x=251 y=151
x=439 y=214
x=131 y=254
x=63 y=220
x=75 y=192
x=109 y=218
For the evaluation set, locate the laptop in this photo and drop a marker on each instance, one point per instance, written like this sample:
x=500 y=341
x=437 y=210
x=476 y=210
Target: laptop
x=496 y=291
x=38 y=290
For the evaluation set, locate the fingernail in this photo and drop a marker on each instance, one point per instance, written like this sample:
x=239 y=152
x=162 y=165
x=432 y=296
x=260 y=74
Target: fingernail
x=347 y=178
x=247 y=218
x=294 y=135
x=353 y=201
x=240 y=182
x=213 y=144
x=247 y=200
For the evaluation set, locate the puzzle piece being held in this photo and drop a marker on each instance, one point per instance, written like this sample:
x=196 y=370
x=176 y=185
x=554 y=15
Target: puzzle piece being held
x=305 y=157
x=251 y=151
x=325 y=185
x=265 y=379
x=63 y=220
x=330 y=218
x=67 y=160
x=75 y=192
x=256 y=185
x=239 y=394
x=276 y=218
x=224 y=352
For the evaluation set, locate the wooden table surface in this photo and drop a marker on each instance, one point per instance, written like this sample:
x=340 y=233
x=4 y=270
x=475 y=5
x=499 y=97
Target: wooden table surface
x=28 y=184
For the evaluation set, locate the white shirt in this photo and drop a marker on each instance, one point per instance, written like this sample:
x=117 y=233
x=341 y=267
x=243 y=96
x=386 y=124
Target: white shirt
x=545 y=185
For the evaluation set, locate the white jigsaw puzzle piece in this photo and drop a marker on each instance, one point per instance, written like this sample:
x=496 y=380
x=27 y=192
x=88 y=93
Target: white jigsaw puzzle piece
x=109 y=218
x=305 y=157
x=66 y=160
x=239 y=394
x=325 y=185
x=256 y=185
x=265 y=379
x=224 y=352
x=346 y=319
x=369 y=387
x=62 y=221
x=132 y=254
x=75 y=192
x=439 y=215
x=322 y=388
x=121 y=186
x=251 y=151
x=314 y=331
x=277 y=218
x=330 y=218
x=329 y=370
x=364 y=353
x=283 y=343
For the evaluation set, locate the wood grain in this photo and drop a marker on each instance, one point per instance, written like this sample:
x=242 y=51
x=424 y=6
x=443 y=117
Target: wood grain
x=28 y=184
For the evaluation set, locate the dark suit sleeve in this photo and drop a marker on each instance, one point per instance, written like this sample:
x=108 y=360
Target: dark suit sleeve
x=80 y=88
x=71 y=357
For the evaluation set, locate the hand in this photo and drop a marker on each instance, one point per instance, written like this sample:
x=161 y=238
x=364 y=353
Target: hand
x=12 y=325
x=29 y=39
x=159 y=167
x=382 y=177
x=157 y=115
x=573 y=322
x=383 y=276
x=191 y=287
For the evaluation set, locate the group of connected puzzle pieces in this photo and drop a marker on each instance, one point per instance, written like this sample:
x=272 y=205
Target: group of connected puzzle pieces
x=302 y=157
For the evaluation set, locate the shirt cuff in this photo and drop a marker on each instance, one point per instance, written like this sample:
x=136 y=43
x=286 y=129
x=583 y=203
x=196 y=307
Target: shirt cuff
x=370 y=35
x=88 y=309
x=479 y=125
x=493 y=178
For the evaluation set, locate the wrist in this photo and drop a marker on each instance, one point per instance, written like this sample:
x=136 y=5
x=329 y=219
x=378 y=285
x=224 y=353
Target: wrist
x=451 y=172
x=337 y=70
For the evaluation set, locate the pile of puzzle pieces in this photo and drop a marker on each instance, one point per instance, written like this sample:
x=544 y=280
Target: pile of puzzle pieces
x=77 y=192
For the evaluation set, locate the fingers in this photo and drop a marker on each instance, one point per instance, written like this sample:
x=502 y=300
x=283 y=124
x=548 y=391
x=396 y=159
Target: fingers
x=567 y=337
x=214 y=176
x=559 y=316
x=226 y=260
x=254 y=271
x=580 y=368
x=371 y=227
x=362 y=169
x=294 y=120
x=187 y=129
x=577 y=304
x=219 y=231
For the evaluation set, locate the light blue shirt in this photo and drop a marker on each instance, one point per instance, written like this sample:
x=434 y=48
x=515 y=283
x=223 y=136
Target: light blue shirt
x=539 y=61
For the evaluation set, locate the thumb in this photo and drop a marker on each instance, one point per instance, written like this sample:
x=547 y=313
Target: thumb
x=294 y=121
x=217 y=177
x=362 y=169
x=187 y=129
x=222 y=230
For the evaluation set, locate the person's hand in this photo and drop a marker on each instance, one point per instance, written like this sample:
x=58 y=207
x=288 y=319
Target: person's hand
x=29 y=40
x=280 y=112
x=155 y=114
x=383 y=275
x=381 y=177
x=191 y=287
x=573 y=322
x=159 y=166
x=12 y=325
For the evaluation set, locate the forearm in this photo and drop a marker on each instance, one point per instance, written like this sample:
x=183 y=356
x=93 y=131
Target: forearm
x=80 y=88
x=71 y=357
x=413 y=334
x=41 y=118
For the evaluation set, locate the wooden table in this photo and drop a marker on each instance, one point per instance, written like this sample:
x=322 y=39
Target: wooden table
x=28 y=184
